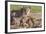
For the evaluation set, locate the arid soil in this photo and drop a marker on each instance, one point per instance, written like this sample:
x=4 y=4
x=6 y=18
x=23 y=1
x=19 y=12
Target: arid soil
x=33 y=21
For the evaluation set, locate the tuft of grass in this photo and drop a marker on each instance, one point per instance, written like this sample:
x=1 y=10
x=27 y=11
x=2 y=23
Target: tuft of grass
x=36 y=9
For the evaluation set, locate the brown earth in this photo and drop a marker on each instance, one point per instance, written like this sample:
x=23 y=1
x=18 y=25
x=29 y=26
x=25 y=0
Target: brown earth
x=27 y=22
